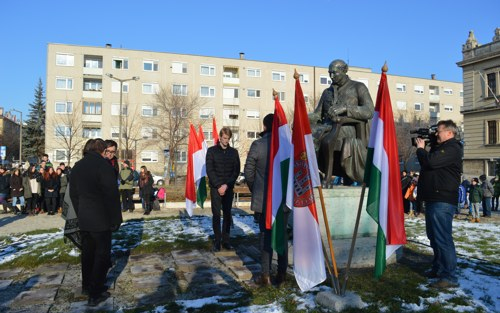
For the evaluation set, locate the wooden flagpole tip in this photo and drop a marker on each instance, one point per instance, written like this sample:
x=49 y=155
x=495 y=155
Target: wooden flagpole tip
x=385 y=68
x=275 y=93
x=296 y=74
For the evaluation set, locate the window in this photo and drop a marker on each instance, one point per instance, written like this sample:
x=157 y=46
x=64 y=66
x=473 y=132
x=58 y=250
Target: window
x=208 y=136
x=252 y=134
x=492 y=84
x=64 y=83
x=448 y=108
x=120 y=64
x=253 y=114
x=91 y=132
x=253 y=93
x=434 y=90
x=207 y=113
x=448 y=91
x=306 y=98
x=115 y=132
x=207 y=91
x=253 y=72
x=491 y=167
x=325 y=80
x=418 y=89
x=62 y=131
x=64 y=107
x=92 y=84
x=60 y=155
x=115 y=109
x=492 y=132
x=65 y=59
x=115 y=87
x=304 y=78
x=401 y=105
x=91 y=61
x=149 y=156
x=150 y=88
x=179 y=90
x=419 y=106
x=149 y=111
x=179 y=68
x=150 y=66
x=207 y=70
x=401 y=87
x=181 y=156
x=92 y=108
x=461 y=93
x=279 y=76
x=149 y=133
x=281 y=95
x=179 y=112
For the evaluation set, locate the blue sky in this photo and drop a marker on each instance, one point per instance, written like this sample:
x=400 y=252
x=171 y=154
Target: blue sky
x=417 y=38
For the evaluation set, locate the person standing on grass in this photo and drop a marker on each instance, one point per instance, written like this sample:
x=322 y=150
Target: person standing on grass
x=95 y=198
x=223 y=168
x=17 y=191
x=63 y=184
x=32 y=189
x=126 y=187
x=475 y=198
x=488 y=192
x=50 y=187
x=441 y=169
x=146 y=189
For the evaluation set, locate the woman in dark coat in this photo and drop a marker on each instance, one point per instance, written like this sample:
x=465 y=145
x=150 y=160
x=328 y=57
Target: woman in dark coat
x=146 y=189
x=17 y=190
x=32 y=189
x=50 y=187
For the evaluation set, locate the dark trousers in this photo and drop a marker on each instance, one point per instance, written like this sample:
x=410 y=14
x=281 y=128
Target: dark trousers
x=225 y=204
x=266 y=250
x=486 y=206
x=438 y=225
x=127 y=201
x=31 y=203
x=96 y=253
x=50 y=204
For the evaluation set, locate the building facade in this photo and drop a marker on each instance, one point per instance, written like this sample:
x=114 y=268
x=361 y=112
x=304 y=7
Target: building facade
x=481 y=111
x=83 y=92
x=10 y=129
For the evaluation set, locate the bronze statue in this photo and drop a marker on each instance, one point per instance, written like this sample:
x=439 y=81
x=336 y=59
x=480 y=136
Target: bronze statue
x=341 y=125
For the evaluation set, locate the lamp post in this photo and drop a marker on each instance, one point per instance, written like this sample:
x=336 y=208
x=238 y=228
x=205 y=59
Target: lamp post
x=121 y=108
x=20 y=134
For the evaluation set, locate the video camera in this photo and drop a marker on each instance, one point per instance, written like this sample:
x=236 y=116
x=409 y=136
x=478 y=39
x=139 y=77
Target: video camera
x=427 y=134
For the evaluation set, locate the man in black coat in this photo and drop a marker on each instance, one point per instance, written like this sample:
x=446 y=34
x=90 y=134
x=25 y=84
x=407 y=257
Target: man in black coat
x=223 y=168
x=95 y=197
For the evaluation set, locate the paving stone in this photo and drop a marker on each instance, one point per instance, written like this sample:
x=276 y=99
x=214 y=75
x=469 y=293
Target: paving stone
x=51 y=268
x=210 y=290
x=204 y=276
x=242 y=273
x=225 y=253
x=45 y=280
x=150 y=282
x=231 y=261
x=81 y=306
x=254 y=268
x=6 y=274
x=40 y=308
x=145 y=258
x=146 y=269
x=190 y=265
x=36 y=296
x=186 y=254
x=246 y=259
x=5 y=283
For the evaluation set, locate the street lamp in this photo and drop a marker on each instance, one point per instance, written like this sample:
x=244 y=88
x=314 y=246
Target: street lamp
x=20 y=134
x=121 y=108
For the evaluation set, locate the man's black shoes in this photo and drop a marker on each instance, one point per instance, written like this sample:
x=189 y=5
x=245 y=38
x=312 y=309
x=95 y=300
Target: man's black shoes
x=94 y=301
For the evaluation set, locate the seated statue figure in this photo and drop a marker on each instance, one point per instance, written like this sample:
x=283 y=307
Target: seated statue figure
x=341 y=125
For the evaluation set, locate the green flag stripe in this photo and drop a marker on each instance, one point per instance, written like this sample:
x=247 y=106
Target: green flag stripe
x=278 y=231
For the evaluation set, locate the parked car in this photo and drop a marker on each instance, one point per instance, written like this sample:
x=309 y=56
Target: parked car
x=158 y=180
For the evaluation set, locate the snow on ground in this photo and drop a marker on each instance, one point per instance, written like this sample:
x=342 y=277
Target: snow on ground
x=476 y=244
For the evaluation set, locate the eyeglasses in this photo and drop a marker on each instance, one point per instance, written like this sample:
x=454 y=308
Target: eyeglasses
x=110 y=151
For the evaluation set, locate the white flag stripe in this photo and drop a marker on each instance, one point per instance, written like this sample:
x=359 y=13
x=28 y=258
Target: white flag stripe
x=311 y=158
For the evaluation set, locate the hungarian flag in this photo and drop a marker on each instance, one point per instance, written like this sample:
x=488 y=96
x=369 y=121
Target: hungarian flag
x=280 y=179
x=196 y=166
x=385 y=201
x=308 y=258
x=201 y=192
x=215 y=134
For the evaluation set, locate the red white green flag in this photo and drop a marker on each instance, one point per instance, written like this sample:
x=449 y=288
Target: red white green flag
x=201 y=191
x=196 y=163
x=308 y=258
x=215 y=134
x=280 y=179
x=385 y=201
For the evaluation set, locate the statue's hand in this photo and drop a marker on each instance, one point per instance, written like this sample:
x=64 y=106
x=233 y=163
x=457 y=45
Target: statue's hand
x=334 y=112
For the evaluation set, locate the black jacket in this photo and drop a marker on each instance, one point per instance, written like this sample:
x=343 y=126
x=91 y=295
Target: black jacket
x=223 y=166
x=5 y=183
x=256 y=171
x=441 y=168
x=94 y=194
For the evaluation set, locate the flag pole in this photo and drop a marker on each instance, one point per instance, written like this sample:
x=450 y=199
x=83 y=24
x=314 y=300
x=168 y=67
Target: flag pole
x=353 y=242
x=330 y=244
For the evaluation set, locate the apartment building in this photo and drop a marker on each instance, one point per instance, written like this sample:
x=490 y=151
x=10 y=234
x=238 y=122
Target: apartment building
x=481 y=111
x=83 y=87
x=10 y=129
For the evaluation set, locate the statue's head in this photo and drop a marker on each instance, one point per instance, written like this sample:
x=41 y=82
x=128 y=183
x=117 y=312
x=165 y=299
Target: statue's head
x=338 y=70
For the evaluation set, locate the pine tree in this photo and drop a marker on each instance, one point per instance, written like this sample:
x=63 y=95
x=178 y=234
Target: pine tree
x=34 y=129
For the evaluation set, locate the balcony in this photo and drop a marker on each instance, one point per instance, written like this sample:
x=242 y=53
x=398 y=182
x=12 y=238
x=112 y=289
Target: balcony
x=92 y=118
x=95 y=94
x=231 y=101
x=433 y=98
x=92 y=71
x=230 y=122
x=233 y=81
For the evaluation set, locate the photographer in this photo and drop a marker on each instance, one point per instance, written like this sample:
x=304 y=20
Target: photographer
x=441 y=168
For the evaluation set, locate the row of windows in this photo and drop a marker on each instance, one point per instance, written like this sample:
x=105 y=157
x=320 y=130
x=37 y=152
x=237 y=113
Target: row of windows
x=420 y=89
x=61 y=155
x=418 y=106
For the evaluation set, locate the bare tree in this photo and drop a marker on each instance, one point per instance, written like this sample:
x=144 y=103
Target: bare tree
x=406 y=121
x=69 y=132
x=131 y=134
x=175 y=111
